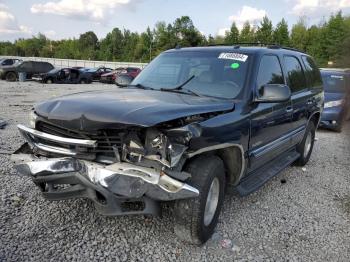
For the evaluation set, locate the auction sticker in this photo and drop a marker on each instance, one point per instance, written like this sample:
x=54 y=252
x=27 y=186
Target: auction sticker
x=233 y=56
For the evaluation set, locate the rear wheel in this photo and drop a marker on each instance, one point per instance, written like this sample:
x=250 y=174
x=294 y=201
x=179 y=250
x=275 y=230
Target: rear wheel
x=196 y=218
x=82 y=81
x=306 y=146
x=49 y=81
x=11 y=76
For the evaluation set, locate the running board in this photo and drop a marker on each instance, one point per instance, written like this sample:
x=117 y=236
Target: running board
x=253 y=181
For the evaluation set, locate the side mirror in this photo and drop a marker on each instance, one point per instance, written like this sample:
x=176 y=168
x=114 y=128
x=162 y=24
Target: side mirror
x=273 y=93
x=123 y=80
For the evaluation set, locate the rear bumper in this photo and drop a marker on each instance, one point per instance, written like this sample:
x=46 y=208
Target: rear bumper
x=109 y=187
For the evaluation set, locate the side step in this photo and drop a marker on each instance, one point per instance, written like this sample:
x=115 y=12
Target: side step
x=253 y=181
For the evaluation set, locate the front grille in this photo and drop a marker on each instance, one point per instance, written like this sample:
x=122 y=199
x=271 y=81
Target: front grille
x=106 y=139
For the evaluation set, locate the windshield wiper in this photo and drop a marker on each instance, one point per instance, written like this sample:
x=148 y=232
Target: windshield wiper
x=180 y=89
x=141 y=86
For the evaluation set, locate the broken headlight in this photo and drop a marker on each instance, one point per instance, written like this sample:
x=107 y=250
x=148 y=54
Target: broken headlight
x=160 y=148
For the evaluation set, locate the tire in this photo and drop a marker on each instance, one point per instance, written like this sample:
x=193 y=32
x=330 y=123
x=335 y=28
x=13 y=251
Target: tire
x=191 y=224
x=11 y=76
x=82 y=81
x=306 y=145
x=49 y=81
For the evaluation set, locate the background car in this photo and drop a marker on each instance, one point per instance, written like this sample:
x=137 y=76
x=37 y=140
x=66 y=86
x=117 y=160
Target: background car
x=97 y=72
x=65 y=76
x=336 y=88
x=10 y=73
x=111 y=77
x=8 y=61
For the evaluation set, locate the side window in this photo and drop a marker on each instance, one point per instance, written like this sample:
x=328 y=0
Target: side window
x=312 y=73
x=270 y=71
x=295 y=74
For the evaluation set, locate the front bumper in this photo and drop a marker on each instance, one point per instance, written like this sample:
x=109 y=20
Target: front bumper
x=109 y=187
x=332 y=117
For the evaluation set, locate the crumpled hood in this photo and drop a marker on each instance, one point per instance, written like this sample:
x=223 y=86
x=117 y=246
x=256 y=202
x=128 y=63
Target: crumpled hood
x=107 y=109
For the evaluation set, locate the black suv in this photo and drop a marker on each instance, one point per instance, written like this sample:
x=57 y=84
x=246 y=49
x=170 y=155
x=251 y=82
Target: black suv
x=10 y=73
x=194 y=122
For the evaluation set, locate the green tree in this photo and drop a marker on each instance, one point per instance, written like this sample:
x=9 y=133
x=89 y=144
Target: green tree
x=232 y=36
x=88 y=45
x=247 y=34
x=186 y=33
x=299 y=35
x=281 y=33
x=265 y=30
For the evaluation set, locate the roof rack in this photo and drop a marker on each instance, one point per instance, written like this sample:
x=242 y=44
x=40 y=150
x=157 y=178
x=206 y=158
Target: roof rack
x=268 y=45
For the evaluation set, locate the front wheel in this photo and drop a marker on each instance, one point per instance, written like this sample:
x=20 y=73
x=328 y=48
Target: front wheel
x=196 y=218
x=307 y=144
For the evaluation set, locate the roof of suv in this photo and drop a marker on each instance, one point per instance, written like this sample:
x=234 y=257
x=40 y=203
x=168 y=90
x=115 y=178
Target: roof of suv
x=245 y=49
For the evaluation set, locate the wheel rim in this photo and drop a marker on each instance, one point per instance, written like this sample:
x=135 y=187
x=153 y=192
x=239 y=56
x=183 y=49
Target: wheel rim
x=212 y=201
x=308 y=143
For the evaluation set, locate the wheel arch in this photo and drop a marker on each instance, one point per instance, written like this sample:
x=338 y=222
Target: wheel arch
x=232 y=156
x=315 y=118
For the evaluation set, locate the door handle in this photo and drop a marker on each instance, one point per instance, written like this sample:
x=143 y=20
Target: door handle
x=289 y=109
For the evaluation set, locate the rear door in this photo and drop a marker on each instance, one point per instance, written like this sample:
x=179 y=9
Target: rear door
x=302 y=96
x=270 y=122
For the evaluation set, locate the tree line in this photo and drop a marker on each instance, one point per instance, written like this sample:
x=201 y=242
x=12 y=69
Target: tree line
x=327 y=41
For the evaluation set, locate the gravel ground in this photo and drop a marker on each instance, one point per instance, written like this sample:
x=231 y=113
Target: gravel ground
x=300 y=215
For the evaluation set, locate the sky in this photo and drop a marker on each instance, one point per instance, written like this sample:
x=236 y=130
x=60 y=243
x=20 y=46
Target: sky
x=59 y=19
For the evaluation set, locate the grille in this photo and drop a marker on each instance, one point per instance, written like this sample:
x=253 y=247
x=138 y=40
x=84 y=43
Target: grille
x=106 y=139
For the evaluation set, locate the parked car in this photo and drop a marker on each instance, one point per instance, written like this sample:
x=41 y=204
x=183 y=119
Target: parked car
x=8 y=61
x=337 y=98
x=97 y=72
x=64 y=76
x=111 y=77
x=10 y=73
x=193 y=122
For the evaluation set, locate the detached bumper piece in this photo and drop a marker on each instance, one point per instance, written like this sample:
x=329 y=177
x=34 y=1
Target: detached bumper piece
x=117 y=189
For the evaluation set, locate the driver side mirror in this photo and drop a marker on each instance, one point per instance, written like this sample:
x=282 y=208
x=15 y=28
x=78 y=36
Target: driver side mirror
x=273 y=93
x=123 y=80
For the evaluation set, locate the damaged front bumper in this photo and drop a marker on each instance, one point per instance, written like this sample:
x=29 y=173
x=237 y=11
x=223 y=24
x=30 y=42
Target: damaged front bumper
x=110 y=187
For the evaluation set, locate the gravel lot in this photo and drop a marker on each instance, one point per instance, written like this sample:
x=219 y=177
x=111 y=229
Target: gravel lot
x=304 y=219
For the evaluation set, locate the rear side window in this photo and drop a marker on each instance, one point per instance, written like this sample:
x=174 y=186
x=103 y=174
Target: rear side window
x=312 y=73
x=270 y=71
x=295 y=74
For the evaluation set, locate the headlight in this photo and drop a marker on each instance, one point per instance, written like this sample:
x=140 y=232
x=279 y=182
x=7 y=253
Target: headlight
x=333 y=103
x=32 y=119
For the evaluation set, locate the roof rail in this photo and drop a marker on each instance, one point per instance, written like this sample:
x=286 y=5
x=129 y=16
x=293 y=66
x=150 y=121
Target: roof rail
x=268 y=45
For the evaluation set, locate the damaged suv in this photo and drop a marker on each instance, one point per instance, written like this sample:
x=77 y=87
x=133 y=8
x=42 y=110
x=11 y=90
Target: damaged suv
x=194 y=122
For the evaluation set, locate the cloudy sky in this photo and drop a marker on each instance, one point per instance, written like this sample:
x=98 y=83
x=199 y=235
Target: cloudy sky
x=68 y=18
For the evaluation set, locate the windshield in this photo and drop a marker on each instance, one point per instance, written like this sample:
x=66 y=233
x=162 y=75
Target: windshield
x=207 y=73
x=334 y=83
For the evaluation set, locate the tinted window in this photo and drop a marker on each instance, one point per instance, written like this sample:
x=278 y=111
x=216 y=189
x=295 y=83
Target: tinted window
x=270 y=71
x=334 y=83
x=25 y=66
x=312 y=72
x=295 y=74
x=7 y=62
